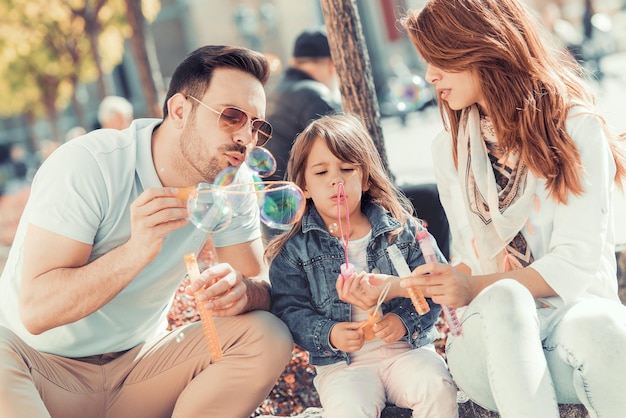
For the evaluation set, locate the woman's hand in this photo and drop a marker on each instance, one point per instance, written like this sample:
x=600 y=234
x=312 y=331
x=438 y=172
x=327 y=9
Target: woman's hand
x=443 y=283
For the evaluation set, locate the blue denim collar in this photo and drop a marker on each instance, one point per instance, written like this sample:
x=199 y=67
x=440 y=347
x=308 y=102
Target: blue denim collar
x=382 y=222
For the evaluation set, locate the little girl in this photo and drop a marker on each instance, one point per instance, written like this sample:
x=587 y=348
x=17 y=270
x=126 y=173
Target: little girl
x=334 y=161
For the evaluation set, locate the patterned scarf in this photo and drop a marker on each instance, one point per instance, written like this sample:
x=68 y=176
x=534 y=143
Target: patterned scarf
x=510 y=176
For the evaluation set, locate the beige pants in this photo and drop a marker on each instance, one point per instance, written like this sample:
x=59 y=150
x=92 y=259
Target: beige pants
x=169 y=377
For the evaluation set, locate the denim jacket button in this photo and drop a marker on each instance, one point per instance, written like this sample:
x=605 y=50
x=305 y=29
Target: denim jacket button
x=415 y=335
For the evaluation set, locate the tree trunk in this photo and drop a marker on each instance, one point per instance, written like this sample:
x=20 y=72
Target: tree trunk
x=100 y=82
x=49 y=86
x=138 y=43
x=76 y=105
x=32 y=143
x=350 y=56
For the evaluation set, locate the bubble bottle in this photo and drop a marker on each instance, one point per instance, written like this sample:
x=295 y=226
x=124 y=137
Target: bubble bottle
x=449 y=313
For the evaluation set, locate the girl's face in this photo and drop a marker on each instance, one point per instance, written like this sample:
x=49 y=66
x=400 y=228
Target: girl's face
x=322 y=173
x=458 y=89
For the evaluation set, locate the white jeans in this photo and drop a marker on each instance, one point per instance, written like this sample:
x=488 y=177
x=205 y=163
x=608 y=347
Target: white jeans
x=416 y=379
x=522 y=361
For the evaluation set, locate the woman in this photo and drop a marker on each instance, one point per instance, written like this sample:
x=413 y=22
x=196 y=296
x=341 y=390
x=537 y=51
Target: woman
x=526 y=171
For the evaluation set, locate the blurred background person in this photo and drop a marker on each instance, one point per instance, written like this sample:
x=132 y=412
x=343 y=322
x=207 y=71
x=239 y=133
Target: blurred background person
x=308 y=89
x=19 y=171
x=115 y=112
x=74 y=132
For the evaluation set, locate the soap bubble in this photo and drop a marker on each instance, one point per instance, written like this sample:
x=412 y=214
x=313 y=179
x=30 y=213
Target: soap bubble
x=238 y=185
x=209 y=208
x=282 y=204
x=261 y=161
x=226 y=176
x=239 y=191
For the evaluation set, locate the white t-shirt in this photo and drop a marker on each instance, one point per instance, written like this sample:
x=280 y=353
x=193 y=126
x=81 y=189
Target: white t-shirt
x=357 y=251
x=83 y=191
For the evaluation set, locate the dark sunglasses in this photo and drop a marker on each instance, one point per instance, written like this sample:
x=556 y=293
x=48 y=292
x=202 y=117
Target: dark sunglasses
x=232 y=119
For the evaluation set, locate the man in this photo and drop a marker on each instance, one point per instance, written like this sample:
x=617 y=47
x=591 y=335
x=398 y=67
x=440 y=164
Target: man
x=307 y=90
x=99 y=255
x=115 y=112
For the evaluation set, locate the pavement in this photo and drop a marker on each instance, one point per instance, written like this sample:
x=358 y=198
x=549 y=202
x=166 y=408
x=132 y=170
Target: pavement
x=408 y=146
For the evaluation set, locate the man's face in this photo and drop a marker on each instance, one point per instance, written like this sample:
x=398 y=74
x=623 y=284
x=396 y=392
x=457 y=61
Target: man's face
x=205 y=146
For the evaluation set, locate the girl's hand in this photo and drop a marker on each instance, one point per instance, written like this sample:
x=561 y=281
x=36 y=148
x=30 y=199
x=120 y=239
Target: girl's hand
x=443 y=283
x=362 y=290
x=351 y=291
x=390 y=328
x=347 y=336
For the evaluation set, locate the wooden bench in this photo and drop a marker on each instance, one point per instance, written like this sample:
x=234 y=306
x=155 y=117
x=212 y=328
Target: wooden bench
x=466 y=410
x=471 y=410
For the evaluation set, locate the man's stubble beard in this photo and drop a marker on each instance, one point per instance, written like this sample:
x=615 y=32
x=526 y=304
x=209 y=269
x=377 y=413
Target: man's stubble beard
x=209 y=170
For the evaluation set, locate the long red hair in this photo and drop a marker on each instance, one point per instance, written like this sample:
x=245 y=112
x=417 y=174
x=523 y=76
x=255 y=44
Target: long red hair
x=529 y=83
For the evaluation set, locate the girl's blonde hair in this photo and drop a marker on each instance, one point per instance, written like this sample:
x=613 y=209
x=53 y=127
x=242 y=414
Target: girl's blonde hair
x=528 y=87
x=348 y=140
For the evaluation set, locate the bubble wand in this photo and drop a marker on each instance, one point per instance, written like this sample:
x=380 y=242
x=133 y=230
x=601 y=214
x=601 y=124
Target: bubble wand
x=211 y=208
x=449 y=313
x=347 y=269
x=398 y=261
x=206 y=315
x=375 y=314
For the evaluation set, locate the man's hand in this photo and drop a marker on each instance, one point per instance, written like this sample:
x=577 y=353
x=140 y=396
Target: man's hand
x=155 y=213
x=225 y=291
x=347 y=336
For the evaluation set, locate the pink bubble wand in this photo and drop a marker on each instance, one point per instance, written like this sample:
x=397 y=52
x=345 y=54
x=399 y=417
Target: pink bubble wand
x=347 y=269
x=449 y=313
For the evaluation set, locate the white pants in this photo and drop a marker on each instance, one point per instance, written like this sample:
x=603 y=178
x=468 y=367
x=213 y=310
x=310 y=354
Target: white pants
x=416 y=379
x=522 y=361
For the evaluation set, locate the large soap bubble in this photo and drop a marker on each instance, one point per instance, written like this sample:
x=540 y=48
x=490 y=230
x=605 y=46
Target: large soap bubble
x=212 y=208
x=209 y=208
x=239 y=191
x=281 y=204
x=261 y=161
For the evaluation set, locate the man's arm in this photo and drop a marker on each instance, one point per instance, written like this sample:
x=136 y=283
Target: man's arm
x=58 y=285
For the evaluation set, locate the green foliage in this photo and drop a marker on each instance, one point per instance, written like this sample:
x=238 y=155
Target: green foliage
x=45 y=49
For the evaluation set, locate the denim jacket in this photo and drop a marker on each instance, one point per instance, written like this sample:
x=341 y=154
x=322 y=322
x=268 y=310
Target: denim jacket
x=303 y=276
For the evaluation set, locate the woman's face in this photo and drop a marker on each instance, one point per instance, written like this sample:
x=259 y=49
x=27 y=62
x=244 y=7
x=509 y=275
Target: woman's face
x=458 y=89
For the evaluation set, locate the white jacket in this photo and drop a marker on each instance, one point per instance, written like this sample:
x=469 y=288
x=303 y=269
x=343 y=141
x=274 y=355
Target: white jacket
x=573 y=244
